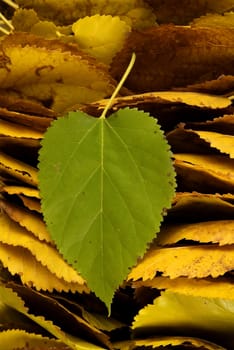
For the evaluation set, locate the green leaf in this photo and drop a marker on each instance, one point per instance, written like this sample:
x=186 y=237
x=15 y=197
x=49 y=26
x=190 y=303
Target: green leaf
x=105 y=184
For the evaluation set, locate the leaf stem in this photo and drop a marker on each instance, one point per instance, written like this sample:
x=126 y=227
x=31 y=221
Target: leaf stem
x=118 y=87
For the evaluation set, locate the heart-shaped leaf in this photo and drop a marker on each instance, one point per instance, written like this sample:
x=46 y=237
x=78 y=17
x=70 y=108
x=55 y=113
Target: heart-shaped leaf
x=105 y=184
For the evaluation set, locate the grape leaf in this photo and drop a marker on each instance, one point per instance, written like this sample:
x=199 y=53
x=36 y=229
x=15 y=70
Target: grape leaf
x=105 y=184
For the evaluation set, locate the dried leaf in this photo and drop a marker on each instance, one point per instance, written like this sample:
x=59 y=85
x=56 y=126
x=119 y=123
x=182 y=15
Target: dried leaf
x=36 y=122
x=187 y=314
x=192 y=261
x=221 y=232
x=95 y=34
x=26 y=191
x=204 y=173
x=207 y=287
x=223 y=85
x=51 y=309
x=180 y=56
x=32 y=273
x=224 y=124
x=18 y=169
x=54 y=71
x=12 y=299
x=215 y=20
x=31 y=203
x=31 y=221
x=196 y=206
x=135 y=12
x=169 y=11
x=167 y=342
x=224 y=143
x=19 y=339
x=15 y=235
x=19 y=131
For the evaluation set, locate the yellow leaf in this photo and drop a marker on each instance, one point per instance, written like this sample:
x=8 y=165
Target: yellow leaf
x=54 y=71
x=16 y=338
x=224 y=124
x=185 y=314
x=192 y=261
x=95 y=34
x=164 y=341
x=205 y=172
x=32 y=273
x=224 y=143
x=26 y=191
x=18 y=169
x=19 y=131
x=31 y=221
x=215 y=20
x=31 y=120
x=197 y=206
x=15 y=235
x=31 y=203
x=207 y=287
x=221 y=232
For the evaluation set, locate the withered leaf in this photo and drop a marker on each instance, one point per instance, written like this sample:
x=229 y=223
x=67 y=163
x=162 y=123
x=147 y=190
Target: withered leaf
x=167 y=342
x=169 y=11
x=219 y=287
x=31 y=203
x=18 y=131
x=215 y=20
x=192 y=261
x=25 y=218
x=224 y=124
x=172 y=56
x=54 y=71
x=221 y=232
x=53 y=310
x=204 y=173
x=135 y=12
x=224 y=143
x=195 y=206
x=223 y=84
x=15 y=235
x=20 y=261
x=26 y=191
x=18 y=169
x=33 y=121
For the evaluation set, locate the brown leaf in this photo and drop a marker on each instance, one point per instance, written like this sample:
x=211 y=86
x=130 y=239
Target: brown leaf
x=196 y=206
x=172 y=56
x=18 y=131
x=169 y=11
x=192 y=261
x=224 y=124
x=204 y=173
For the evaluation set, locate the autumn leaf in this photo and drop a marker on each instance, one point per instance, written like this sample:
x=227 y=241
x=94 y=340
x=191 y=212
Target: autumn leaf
x=200 y=53
x=215 y=20
x=219 y=231
x=94 y=35
x=219 y=287
x=54 y=71
x=167 y=342
x=191 y=261
x=185 y=313
x=204 y=173
x=18 y=169
x=134 y=12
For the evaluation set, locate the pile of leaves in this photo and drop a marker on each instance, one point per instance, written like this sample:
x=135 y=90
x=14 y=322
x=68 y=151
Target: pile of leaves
x=69 y=57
